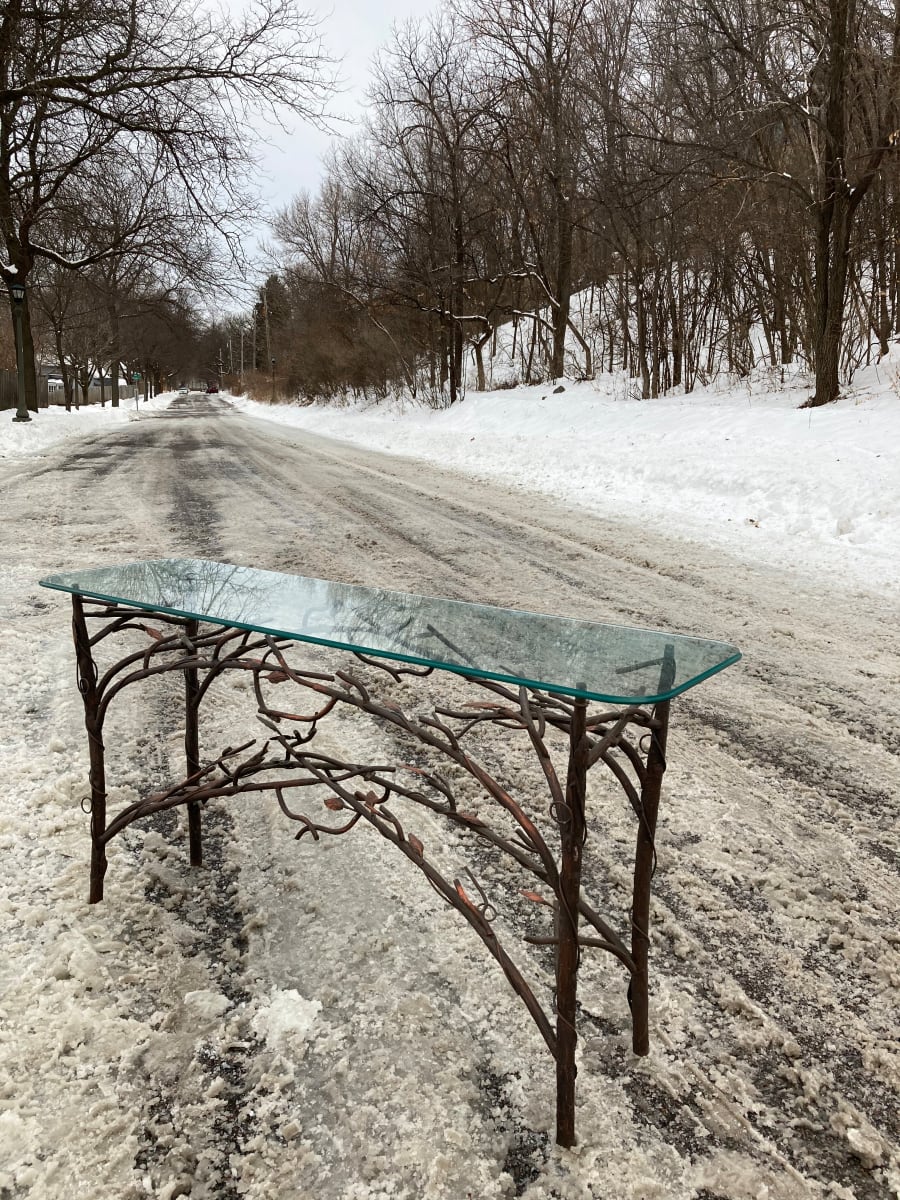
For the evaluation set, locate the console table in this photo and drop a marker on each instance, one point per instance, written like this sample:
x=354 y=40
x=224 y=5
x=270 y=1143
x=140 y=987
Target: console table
x=533 y=676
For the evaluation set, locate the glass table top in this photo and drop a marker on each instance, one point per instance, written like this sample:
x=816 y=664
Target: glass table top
x=589 y=659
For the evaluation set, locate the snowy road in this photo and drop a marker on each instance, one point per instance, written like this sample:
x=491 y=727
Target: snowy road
x=277 y=1026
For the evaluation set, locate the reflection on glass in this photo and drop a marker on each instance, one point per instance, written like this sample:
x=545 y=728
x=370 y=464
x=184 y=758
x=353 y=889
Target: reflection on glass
x=584 y=658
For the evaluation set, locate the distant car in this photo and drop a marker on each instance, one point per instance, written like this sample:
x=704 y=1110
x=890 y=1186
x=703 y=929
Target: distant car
x=183 y=391
x=212 y=389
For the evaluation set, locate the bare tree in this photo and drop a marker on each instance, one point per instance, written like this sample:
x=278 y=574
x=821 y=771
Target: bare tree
x=150 y=79
x=532 y=51
x=801 y=97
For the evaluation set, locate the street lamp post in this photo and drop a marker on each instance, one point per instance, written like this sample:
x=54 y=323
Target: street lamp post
x=273 y=380
x=17 y=295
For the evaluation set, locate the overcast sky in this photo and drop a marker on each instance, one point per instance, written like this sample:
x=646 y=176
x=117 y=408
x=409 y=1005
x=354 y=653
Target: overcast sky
x=352 y=31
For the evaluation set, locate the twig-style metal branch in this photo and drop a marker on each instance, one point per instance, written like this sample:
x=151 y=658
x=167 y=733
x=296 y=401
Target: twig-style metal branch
x=396 y=673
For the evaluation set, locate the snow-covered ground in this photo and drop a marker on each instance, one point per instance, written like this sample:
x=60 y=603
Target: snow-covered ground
x=53 y=425
x=816 y=490
x=305 y=1022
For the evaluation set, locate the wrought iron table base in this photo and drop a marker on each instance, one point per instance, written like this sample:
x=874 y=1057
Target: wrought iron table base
x=630 y=742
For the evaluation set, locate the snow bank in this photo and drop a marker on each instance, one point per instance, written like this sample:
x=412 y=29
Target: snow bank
x=814 y=489
x=51 y=425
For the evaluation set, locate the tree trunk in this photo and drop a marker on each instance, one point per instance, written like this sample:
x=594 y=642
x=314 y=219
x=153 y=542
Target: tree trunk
x=834 y=215
x=641 y=321
x=456 y=295
x=832 y=246
x=478 y=346
x=588 y=354
x=781 y=311
x=883 y=320
x=531 y=348
x=61 y=359
x=563 y=289
x=31 y=396
x=444 y=357
x=433 y=354
x=676 y=316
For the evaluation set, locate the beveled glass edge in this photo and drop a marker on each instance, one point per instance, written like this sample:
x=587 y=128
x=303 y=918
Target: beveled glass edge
x=515 y=681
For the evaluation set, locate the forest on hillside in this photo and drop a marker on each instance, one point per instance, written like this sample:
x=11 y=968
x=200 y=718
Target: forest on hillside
x=714 y=182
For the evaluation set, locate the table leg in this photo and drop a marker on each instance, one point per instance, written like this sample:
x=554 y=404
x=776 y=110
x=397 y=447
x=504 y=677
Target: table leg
x=93 y=721
x=568 y=952
x=644 y=857
x=192 y=748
